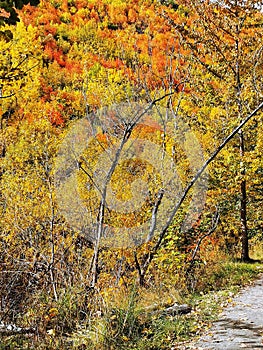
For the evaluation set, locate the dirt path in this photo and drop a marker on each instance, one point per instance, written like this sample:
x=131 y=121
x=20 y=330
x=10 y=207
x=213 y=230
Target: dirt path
x=240 y=325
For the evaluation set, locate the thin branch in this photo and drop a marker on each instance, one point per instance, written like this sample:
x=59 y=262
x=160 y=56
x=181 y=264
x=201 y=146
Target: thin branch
x=209 y=233
x=154 y=214
x=192 y=182
x=138 y=267
x=10 y=329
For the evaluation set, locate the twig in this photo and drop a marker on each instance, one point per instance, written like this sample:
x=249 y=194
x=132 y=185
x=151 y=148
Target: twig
x=11 y=329
x=197 y=247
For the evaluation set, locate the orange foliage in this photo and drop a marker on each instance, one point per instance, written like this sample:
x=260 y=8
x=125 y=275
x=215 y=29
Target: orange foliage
x=55 y=116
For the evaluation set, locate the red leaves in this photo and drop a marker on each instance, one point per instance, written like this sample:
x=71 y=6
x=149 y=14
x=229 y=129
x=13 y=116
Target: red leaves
x=4 y=13
x=55 y=116
x=58 y=56
x=54 y=53
x=116 y=64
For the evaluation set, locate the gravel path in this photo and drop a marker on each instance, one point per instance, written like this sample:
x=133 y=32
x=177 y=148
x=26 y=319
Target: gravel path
x=240 y=325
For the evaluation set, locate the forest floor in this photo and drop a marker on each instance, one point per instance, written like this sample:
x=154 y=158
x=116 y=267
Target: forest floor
x=239 y=326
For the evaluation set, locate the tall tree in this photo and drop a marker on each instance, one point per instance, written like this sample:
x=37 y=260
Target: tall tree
x=224 y=38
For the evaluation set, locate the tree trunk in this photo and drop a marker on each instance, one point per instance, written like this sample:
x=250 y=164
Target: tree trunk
x=162 y=234
x=243 y=185
x=243 y=204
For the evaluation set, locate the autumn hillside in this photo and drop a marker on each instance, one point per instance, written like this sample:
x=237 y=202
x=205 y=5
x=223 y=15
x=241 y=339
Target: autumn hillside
x=126 y=183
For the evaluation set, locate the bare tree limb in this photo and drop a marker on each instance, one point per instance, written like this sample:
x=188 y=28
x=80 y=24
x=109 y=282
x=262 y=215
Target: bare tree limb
x=100 y=220
x=209 y=233
x=191 y=184
x=11 y=329
x=154 y=214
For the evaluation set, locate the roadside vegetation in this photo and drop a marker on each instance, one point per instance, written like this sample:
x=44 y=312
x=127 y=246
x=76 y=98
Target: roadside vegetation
x=135 y=317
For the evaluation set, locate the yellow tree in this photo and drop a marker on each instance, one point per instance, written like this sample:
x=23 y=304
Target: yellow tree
x=224 y=38
x=29 y=135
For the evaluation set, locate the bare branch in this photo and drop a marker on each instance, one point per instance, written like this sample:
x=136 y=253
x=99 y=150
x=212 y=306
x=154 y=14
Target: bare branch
x=192 y=182
x=209 y=233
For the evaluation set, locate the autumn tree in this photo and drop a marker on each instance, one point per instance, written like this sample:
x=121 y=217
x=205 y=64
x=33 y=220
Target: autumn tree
x=30 y=125
x=224 y=40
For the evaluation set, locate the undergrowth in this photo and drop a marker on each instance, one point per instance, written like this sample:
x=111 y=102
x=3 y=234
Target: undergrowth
x=132 y=318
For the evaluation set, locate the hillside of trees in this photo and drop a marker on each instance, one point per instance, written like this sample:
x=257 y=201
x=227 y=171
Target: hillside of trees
x=130 y=164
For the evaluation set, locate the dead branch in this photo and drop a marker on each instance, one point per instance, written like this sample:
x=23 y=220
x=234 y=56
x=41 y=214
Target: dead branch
x=11 y=329
x=209 y=233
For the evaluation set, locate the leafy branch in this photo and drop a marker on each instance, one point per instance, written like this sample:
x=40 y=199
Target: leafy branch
x=197 y=176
